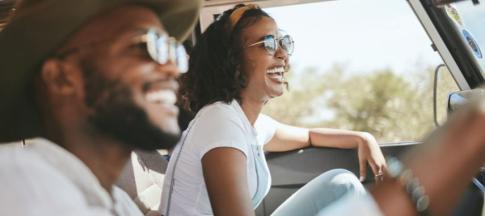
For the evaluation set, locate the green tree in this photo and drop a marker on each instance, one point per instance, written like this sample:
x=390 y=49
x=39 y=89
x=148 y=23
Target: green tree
x=381 y=103
x=392 y=107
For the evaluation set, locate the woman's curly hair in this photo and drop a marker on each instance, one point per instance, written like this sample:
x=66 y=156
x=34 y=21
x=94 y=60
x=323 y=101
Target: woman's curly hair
x=214 y=61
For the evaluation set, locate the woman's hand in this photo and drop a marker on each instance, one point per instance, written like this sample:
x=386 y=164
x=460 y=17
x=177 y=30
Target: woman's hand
x=370 y=152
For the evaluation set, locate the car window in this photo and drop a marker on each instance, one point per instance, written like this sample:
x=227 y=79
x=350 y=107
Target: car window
x=360 y=65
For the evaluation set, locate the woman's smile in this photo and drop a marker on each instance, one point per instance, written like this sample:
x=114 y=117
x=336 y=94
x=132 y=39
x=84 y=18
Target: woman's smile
x=276 y=74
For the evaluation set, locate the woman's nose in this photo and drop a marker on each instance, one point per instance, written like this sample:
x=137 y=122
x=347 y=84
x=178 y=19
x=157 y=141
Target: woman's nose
x=281 y=53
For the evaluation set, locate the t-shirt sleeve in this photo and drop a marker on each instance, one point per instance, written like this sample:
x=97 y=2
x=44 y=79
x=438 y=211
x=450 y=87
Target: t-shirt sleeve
x=266 y=128
x=218 y=127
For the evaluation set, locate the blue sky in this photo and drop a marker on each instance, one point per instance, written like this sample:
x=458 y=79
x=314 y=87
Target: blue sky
x=360 y=35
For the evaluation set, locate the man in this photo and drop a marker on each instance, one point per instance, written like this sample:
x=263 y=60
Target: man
x=95 y=79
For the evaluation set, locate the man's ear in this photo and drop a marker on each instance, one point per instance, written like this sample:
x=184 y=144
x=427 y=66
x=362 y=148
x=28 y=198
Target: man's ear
x=60 y=77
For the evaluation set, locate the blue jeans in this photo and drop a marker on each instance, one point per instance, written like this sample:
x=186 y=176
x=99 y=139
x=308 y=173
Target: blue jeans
x=320 y=192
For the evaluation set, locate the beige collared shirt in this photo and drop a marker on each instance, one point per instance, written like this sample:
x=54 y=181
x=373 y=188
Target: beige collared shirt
x=45 y=179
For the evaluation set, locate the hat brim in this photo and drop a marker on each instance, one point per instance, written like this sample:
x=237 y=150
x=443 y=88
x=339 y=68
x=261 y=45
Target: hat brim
x=35 y=32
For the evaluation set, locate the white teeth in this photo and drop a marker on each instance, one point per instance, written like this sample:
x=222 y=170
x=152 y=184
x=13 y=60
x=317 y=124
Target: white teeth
x=161 y=96
x=276 y=70
x=276 y=76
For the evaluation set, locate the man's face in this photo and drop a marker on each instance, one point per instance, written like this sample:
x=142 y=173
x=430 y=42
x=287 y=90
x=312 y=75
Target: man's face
x=128 y=96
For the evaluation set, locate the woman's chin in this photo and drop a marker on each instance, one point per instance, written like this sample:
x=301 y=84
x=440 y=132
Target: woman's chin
x=276 y=93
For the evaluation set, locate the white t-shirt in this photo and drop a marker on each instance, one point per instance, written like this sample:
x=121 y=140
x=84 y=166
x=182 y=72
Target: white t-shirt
x=216 y=125
x=45 y=179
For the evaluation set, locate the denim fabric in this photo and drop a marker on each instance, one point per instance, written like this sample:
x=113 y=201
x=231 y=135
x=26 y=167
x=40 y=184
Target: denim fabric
x=320 y=193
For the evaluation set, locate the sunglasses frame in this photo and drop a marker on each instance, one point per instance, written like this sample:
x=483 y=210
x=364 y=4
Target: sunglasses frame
x=169 y=49
x=277 y=42
x=162 y=48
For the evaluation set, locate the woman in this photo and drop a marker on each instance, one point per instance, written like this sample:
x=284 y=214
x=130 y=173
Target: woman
x=219 y=167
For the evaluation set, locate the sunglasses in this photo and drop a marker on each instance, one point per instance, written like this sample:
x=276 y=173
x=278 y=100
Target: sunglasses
x=159 y=46
x=163 y=48
x=271 y=43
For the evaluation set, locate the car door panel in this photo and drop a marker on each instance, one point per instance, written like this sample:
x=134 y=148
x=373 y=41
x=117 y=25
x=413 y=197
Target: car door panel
x=291 y=170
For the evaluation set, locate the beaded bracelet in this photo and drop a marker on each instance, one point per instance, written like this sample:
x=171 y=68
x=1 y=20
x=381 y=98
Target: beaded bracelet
x=413 y=188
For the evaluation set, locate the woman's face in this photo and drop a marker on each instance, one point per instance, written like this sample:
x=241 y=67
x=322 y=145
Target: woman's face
x=265 y=70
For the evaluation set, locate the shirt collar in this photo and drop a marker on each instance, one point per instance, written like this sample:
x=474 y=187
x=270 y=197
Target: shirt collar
x=243 y=116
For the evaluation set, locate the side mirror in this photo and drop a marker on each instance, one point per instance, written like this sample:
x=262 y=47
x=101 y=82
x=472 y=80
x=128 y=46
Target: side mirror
x=435 y=92
x=457 y=99
x=441 y=93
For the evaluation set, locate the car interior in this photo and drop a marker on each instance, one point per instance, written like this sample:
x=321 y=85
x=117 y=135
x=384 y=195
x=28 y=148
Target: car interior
x=292 y=170
x=144 y=175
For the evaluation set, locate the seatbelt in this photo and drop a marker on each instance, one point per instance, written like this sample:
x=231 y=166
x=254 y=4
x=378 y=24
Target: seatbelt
x=172 y=180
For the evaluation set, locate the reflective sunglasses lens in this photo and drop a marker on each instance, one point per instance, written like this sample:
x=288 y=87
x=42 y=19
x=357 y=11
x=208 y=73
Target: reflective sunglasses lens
x=270 y=44
x=162 y=48
x=287 y=44
x=151 y=42
x=182 y=61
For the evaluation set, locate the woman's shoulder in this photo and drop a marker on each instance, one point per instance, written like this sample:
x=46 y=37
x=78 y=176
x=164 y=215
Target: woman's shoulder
x=218 y=125
x=219 y=119
x=219 y=110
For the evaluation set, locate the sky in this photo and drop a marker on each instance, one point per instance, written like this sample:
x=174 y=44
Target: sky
x=360 y=35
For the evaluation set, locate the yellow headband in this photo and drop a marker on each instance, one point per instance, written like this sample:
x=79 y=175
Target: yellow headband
x=236 y=14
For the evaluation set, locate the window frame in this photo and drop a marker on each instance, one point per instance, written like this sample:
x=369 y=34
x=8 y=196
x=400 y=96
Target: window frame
x=447 y=41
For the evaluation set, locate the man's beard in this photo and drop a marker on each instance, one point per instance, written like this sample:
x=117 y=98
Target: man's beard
x=117 y=115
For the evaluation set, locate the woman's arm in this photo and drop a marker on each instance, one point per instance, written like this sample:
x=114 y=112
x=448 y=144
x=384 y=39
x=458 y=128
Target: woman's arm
x=287 y=138
x=225 y=176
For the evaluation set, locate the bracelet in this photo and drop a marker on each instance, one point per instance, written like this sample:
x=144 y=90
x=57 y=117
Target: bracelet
x=413 y=188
